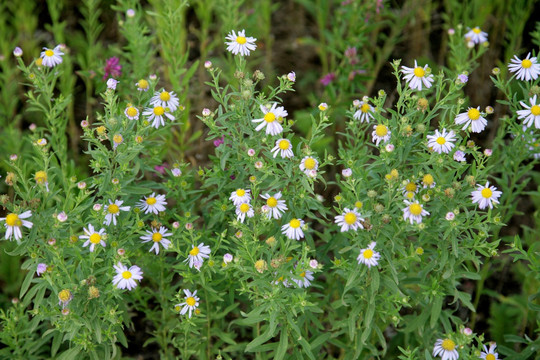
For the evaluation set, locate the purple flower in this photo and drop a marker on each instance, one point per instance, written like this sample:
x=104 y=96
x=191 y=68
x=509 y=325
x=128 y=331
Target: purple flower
x=327 y=79
x=41 y=268
x=161 y=168
x=463 y=78
x=112 y=68
x=218 y=142
x=459 y=156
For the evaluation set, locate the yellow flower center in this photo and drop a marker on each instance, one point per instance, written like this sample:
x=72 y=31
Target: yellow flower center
x=409 y=195
x=49 y=53
x=191 y=301
x=295 y=223
x=486 y=193
x=309 y=163
x=158 y=111
x=95 y=238
x=441 y=140
x=64 y=295
x=364 y=108
x=419 y=72
x=428 y=179
x=272 y=202
x=490 y=357
x=269 y=117
x=415 y=209
x=473 y=114
x=535 y=110
x=244 y=208
x=118 y=139
x=241 y=40
x=142 y=84
x=410 y=187
x=194 y=251
x=151 y=200
x=156 y=237
x=39 y=61
x=526 y=63
x=13 y=220
x=303 y=274
x=41 y=177
x=368 y=254
x=165 y=96
x=358 y=204
x=381 y=130
x=113 y=209
x=126 y=274
x=350 y=218
x=283 y=144
x=131 y=111
x=448 y=345
x=240 y=192
x=476 y=30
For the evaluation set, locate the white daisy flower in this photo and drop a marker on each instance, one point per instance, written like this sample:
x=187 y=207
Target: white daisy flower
x=446 y=349
x=240 y=196
x=350 y=219
x=472 y=117
x=490 y=354
x=414 y=212
x=191 y=303
x=368 y=256
x=442 y=142
x=308 y=164
x=243 y=210
x=93 y=238
x=125 y=278
x=293 y=230
x=156 y=114
x=271 y=119
x=53 y=57
x=531 y=114
x=157 y=237
x=198 y=254
x=14 y=222
x=476 y=35
x=409 y=189
x=64 y=297
x=417 y=76
x=284 y=147
x=485 y=196
x=113 y=210
x=240 y=44
x=364 y=112
x=276 y=207
x=526 y=69
x=142 y=85
x=380 y=133
x=165 y=99
x=428 y=181
x=306 y=277
x=153 y=204
x=132 y=112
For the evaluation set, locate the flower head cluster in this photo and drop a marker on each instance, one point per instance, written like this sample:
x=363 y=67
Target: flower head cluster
x=190 y=304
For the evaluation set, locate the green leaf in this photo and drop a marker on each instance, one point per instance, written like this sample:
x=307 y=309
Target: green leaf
x=435 y=311
x=283 y=344
x=26 y=283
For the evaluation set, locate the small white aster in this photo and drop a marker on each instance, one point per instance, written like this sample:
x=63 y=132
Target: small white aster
x=113 y=210
x=428 y=181
x=308 y=164
x=14 y=222
x=368 y=256
x=165 y=99
x=240 y=196
x=240 y=44
x=271 y=119
x=409 y=189
x=125 y=278
x=531 y=114
x=350 y=219
x=93 y=238
x=472 y=117
x=197 y=254
x=417 y=76
x=380 y=133
x=156 y=115
x=485 y=196
x=414 y=212
x=276 y=206
x=51 y=57
x=191 y=303
x=446 y=349
x=489 y=354
x=132 y=112
x=293 y=230
x=442 y=142
x=284 y=148
x=157 y=237
x=476 y=35
x=153 y=204
x=526 y=69
x=306 y=277
x=364 y=112
x=243 y=210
